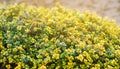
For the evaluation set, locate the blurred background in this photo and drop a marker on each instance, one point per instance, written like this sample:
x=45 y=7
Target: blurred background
x=109 y=8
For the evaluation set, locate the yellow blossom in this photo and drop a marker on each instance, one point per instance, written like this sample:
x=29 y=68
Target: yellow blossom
x=42 y=67
x=8 y=66
x=80 y=57
x=55 y=56
x=27 y=30
x=19 y=27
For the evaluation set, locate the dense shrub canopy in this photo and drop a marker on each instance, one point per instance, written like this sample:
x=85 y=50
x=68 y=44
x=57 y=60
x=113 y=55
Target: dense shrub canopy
x=57 y=38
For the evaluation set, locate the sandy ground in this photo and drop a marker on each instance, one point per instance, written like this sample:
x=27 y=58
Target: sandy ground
x=109 y=8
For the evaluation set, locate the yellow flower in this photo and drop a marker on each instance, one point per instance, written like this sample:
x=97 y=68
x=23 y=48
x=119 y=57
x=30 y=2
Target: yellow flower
x=58 y=67
x=1 y=46
x=85 y=54
x=15 y=57
x=10 y=60
x=68 y=50
x=42 y=67
x=117 y=53
x=19 y=27
x=109 y=67
x=46 y=40
x=97 y=66
x=4 y=52
x=27 y=30
x=68 y=40
x=35 y=29
x=9 y=36
x=49 y=29
x=18 y=67
x=96 y=56
x=53 y=39
x=55 y=56
x=14 y=50
x=82 y=44
x=20 y=48
x=80 y=57
x=47 y=59
x=113 y=62
x=88 y=36
x=33 y=40
x=94 y=68
x=92 y=51
x=8 y=66
x=70 y=64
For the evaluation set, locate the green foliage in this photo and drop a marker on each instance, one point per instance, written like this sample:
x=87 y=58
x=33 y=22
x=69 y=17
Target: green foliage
x=57 y=38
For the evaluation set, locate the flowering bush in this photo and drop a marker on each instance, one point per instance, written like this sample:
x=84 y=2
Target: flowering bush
x=57 y=38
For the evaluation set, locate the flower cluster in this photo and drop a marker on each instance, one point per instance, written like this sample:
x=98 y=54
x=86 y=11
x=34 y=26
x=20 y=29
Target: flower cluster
x=57 y=38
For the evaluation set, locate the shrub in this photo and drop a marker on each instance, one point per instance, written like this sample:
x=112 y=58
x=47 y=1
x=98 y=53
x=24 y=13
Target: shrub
x=57 y=38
